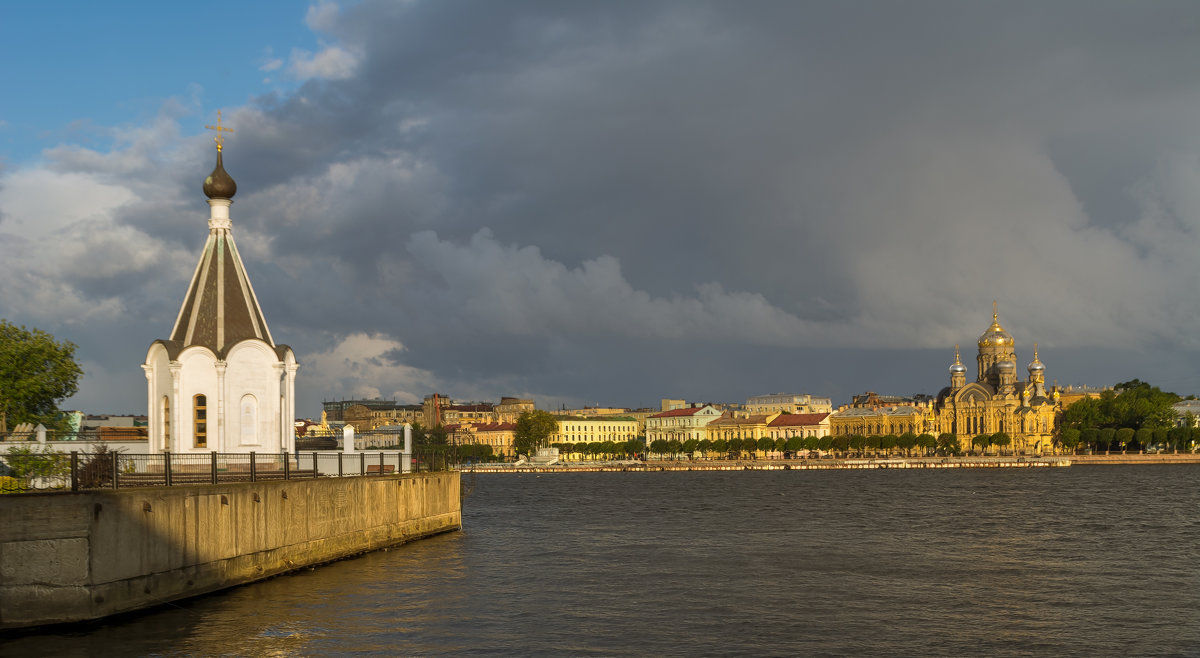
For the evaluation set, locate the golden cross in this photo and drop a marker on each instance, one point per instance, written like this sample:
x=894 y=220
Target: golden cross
x=219 y=139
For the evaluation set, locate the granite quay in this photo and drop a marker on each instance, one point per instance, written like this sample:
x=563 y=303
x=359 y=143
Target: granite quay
x=76 y=556
x=777 y=465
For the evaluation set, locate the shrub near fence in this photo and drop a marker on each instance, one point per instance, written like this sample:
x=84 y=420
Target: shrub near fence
x=34 y=471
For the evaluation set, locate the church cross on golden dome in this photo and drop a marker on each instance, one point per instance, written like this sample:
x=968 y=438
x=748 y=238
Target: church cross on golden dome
x=995 y=336
x=220 y=138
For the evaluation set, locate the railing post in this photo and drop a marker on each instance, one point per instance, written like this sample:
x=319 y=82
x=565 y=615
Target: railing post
x=253 y=469
x=167 y=468
x=287 y=466
x=381 y=462
x=339 y=464
x=362 y=463
x=315 y=471
x=213 y=467
x=116 y=468
x=74 y=470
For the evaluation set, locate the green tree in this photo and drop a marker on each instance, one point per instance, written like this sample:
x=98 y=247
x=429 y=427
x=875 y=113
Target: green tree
x=28 y=463
x=765 y=444
x=634 y=447
x=659 y=446
x=781 y=445
x=1144 y=436
x=928 y=443
x=1002 y=440
x=534 y=429
x=857 y=442
x=948 y=443
x=1160 y=436
x=721 y=447
x=435 y=436
x=705 y=446
x=36 y=373
x=1069 y=438
x=1178 y=437
x=839 y=444
x=608 y=448
x=888 y=443
x=1089 y=436
x=1082 y=414
x=815 y=442
x=674 y=446
x=690 y=446
x=1124 y=437
x=1105 y=437
x=982 y=441
x=872 y=442
x=751 y=446
x=907 y=442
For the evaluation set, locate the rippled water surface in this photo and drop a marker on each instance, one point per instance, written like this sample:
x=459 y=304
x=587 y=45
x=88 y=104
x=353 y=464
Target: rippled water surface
x=1086 y=561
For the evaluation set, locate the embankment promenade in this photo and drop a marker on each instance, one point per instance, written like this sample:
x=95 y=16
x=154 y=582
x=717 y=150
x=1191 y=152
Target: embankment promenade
x=779 y=465
x=1135 y=458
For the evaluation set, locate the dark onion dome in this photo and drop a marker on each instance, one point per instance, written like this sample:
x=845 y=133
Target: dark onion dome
x=219 y=184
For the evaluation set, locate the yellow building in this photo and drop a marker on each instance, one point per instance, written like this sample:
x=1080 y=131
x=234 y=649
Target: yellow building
x=997 y=401
x=582 y=429
x=365 y=418
x=730 y=427
x=878 y=421
x=497 y=435
x=785 y=426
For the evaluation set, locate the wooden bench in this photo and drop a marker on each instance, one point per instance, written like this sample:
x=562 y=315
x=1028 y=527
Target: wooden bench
x=387 y=468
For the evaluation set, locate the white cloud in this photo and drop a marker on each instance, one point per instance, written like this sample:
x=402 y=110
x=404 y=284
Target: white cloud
x=361 y=364
x=271 y=65
x=331 y=62
x=322 y=16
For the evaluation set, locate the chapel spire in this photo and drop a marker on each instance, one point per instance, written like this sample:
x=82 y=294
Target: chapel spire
x=220 y=308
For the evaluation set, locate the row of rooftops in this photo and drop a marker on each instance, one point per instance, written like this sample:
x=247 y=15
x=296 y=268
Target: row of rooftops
x=732 y=418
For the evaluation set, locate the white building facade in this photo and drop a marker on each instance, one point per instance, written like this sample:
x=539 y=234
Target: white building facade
x=788 y=403
x=680 y=424
x=220 y=382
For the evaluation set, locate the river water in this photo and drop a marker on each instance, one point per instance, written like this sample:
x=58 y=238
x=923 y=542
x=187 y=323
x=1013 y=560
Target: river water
x=1084 y=561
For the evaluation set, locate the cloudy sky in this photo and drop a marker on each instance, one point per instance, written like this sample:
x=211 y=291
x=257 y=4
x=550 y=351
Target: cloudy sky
x=615 y=202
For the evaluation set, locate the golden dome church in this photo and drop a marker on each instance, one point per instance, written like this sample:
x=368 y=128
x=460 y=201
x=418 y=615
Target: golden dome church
x=997 y=401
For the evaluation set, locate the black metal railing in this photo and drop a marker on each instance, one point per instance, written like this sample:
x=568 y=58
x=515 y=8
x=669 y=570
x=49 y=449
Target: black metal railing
x=33 y=471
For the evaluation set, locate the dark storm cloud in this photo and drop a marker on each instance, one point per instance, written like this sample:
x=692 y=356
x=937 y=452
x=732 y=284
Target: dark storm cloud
x=581 y=200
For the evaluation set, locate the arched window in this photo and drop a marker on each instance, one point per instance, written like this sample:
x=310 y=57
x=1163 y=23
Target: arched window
x=166 y=422
x=200 y=421
x=249 y=420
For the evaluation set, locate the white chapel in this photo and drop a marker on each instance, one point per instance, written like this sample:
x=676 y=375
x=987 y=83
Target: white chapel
x=220 y=382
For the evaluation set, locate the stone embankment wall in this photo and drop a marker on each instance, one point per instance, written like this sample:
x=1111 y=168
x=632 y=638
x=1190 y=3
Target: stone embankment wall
x=778 y=465
x=74 y=557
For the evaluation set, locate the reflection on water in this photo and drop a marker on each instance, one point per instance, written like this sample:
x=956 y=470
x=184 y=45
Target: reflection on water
x=1080 y=561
